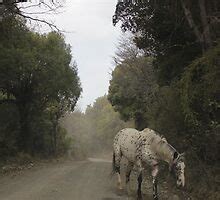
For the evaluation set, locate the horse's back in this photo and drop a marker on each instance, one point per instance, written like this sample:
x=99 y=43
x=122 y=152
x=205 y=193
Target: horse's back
x=126 y=135
x=125 y=142
x=152 y=136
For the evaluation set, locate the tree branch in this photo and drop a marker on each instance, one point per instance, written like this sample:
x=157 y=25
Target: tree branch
x=51 y=25
x=206 y=29
x=191 y=22
x=214 y=19
x=8 y=101
x=31 y=6
x=13 y=8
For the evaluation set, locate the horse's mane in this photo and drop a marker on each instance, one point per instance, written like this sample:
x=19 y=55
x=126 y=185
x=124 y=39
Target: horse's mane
x=159 y=143
x=155 y=135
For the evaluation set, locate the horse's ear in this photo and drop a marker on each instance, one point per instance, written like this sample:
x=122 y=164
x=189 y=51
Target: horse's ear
x=182 y=156
x=175 y=155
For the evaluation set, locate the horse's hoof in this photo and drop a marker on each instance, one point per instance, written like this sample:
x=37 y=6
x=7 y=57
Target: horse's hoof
x=120 y=191
x=155 y=197
x=139 y=197
x=119 y=186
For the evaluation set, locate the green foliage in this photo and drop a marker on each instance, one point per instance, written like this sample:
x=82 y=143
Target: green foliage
x=184 y=41
x=105 y=122
x=77 y=128
x=94 y=130
x=186 y=104
x=9 y=129
x=201 y=103
x=163 y=32
x=132 y=86
x=165 y=114
x=200 y=91
x=39 y=82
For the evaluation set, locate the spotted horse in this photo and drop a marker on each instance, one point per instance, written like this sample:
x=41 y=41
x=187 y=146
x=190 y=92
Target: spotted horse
x=144 y=149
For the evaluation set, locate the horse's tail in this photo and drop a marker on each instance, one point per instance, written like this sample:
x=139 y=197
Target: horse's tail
x=113 y=164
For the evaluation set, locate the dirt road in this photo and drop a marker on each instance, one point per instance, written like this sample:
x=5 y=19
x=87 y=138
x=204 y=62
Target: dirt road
x=70 y=180
x=84 y=180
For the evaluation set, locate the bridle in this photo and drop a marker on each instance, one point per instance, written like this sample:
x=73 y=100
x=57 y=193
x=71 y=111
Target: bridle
x=174 y=170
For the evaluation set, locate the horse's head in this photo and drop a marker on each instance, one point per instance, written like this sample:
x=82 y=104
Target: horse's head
x=178 y=168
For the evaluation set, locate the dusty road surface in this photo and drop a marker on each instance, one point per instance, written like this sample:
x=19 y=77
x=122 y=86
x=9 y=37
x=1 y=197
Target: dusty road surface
x=69 y=180
x=81 y=180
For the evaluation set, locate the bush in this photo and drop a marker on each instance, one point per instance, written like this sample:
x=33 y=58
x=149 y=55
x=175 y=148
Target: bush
x=9 y=129
x=200 y=99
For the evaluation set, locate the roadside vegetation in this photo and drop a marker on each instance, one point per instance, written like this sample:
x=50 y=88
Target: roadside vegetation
x=39 y=83
x=92 y=131
x=172 y=85
x=166 y=77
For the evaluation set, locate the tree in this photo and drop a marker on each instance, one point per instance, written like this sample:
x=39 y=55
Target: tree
x=201 y=16
x=183 y=38
x=29 y=11
x=175 y=32
x=94 y=130
x=126 y=49
x=201 y=23
x=200 y=100
x=36 y=71
x=132 y=88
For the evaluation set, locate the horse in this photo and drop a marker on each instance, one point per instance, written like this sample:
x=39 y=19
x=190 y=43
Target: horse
x=144 y=149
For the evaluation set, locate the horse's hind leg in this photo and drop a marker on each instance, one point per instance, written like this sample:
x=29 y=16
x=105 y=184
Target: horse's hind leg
x=119 y=181
x=128 y=171
x=117 y=160
x=139 y=193
x=154 y=175
x=127 y=174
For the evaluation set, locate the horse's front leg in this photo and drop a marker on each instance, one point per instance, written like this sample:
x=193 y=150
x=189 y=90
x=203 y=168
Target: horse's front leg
x=116 y=161
x=119 y=181
x=155 y=171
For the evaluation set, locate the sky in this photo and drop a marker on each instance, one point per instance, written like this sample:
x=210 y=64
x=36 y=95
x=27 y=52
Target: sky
x=89 y=30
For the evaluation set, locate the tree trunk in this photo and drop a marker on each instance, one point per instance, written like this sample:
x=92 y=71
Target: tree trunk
x=206 y=28
x=54 y=134
x=55 y=138
x=192 y=23
x=204 y=36
x=140 y=123
x=24 y=138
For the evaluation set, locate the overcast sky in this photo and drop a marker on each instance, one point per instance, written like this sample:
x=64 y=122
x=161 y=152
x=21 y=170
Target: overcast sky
x=93 y=38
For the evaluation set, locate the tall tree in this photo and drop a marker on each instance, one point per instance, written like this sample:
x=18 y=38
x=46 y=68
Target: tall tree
x=132 y=88
x=35 y=71
x=175 y=32
x=94 y=130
